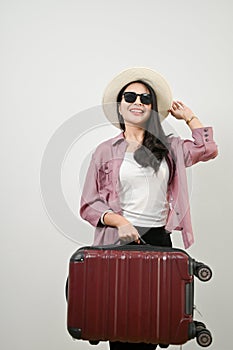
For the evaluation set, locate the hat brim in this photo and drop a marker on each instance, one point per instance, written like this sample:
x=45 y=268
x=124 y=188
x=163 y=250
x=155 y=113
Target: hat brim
x=149 y=76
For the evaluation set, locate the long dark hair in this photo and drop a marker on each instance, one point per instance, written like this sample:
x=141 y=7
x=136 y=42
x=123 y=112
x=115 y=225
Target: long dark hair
x=155 y=145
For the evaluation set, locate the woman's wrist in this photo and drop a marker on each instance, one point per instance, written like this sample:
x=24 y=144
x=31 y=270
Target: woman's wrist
x=193 y=121
x=189 y=119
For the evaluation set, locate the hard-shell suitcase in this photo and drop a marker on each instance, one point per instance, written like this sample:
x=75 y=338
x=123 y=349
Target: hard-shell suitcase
x=134 y=293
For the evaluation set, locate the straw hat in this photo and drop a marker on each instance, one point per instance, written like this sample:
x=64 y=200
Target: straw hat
x=149 y=76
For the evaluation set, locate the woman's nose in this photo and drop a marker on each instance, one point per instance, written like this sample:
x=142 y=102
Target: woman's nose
x=138 y=100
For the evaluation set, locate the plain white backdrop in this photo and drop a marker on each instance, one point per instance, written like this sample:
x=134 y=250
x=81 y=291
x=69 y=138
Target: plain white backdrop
x=56 y=59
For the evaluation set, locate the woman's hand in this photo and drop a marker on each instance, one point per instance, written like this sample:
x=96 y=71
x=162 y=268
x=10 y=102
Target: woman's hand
x=128 y=233
x=180 y=111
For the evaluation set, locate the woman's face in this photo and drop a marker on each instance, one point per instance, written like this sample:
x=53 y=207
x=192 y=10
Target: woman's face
x=135 y=113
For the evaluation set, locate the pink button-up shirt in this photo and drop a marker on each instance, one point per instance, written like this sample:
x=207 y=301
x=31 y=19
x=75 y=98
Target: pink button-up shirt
x=101 y=188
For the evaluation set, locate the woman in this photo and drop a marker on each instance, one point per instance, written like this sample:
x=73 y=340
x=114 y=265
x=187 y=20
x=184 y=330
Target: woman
x=136 y=183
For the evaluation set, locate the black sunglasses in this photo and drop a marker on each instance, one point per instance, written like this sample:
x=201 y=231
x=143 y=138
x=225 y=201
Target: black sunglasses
x=131 y=97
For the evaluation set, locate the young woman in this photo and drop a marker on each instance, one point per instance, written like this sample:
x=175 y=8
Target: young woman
x=136 y=183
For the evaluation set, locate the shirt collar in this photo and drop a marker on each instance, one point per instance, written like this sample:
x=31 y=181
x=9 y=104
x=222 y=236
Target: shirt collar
x=118 y=138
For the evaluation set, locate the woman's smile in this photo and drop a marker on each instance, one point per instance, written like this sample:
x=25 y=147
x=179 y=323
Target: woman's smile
x=136 y=110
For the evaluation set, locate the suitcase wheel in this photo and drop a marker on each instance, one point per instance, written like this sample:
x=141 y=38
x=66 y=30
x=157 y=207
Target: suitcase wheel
x=94 y=342
x=163 y=346
x=204 y=337
x=199 y=326
x=203 y=272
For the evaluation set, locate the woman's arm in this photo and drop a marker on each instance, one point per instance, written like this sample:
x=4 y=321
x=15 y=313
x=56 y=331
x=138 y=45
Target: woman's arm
x=95 y=210
x=203 y=147
x=113 y=219
x=92 y=206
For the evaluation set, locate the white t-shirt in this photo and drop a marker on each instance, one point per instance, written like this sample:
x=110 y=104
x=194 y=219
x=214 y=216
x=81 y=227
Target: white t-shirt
x=143 y=193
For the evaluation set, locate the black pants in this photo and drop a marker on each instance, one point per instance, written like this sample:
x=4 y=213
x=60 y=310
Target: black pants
x=155 y=236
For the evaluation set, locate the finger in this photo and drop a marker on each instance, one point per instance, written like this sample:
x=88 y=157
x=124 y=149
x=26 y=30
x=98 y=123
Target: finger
x=134 y=237
x=128 y=235
x=124 y=240
x=131 y=237
x=171 y=110
x=124 y=236
x=178 y=105
x=136 y=233
x=181 y=104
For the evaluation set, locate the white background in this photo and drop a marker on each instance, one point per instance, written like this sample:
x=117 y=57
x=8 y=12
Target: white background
x=56 y=59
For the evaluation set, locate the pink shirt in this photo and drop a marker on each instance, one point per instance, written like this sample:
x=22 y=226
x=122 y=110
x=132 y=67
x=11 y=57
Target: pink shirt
x=100 y=192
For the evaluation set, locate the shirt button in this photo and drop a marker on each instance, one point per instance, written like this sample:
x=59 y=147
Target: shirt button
x=206 y=135
x=207 y=140
x=205 y=129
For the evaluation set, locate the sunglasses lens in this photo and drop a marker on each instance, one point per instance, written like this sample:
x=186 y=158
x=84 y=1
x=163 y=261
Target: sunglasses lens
x=130 y=97
x=146 y=99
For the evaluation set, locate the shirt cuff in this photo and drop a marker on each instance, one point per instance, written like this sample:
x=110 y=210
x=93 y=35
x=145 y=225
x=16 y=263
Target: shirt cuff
x=102 y=216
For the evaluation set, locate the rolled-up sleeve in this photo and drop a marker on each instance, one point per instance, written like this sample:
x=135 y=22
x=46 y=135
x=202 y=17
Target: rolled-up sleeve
x=92 y=205
x=202 y=148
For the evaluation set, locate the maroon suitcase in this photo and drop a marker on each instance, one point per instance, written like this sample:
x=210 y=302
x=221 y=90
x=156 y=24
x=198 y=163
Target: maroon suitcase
x=134 y=293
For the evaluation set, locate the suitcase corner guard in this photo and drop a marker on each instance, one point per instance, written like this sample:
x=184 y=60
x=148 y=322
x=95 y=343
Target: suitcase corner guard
x=78 y=256
x=75 y=332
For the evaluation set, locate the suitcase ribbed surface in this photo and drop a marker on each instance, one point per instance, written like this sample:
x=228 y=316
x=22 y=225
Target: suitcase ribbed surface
x=135 y=296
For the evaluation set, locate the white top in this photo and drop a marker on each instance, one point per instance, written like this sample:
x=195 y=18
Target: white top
x=143 y=193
